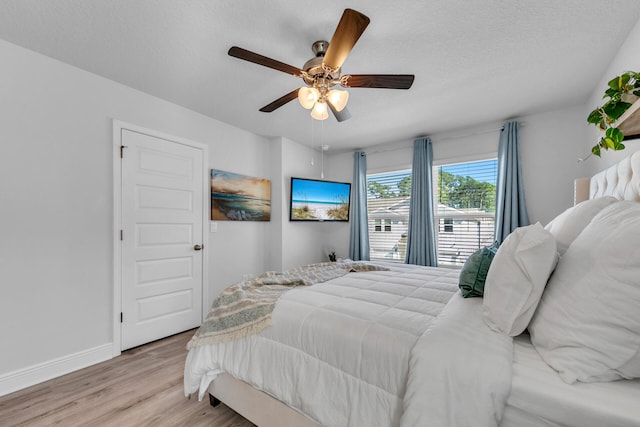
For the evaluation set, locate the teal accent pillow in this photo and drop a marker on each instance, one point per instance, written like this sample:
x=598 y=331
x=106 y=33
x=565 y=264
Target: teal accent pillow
x=475 y=269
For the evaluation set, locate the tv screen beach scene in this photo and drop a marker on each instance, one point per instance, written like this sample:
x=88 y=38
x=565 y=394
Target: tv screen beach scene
x=238 y=197
x=313 y=200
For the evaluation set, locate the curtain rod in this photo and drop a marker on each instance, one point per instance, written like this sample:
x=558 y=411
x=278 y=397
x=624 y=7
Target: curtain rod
x=436 y=139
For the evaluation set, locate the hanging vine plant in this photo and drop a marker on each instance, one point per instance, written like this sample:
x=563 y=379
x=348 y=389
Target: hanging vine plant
x=623 y=91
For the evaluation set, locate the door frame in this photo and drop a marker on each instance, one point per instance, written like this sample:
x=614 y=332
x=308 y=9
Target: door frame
x=118 y=127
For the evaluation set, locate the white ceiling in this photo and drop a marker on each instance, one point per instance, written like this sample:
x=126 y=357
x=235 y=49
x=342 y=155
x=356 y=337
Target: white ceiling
x=475 y=62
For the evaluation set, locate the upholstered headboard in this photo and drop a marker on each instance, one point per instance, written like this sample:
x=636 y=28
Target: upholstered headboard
x=621 y=181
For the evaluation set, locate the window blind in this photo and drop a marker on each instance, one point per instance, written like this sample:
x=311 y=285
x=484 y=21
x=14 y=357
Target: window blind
x=388 y=199
x=465 y=209
x=464 y=195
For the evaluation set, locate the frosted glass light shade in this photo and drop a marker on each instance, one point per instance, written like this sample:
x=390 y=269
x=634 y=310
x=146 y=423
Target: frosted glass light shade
x=338 y=98
x=319 y=111
x=308 y=96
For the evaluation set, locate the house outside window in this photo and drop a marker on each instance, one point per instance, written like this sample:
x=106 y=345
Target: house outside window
x=465 y=196
x=464 y=211
x=388 y=211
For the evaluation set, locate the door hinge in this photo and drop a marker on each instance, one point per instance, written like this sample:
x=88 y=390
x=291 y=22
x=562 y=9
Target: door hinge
x=122 y=147
x=121 y=317
x=121 y=235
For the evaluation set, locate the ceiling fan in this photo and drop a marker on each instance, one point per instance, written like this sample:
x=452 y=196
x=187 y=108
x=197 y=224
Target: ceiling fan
x=322 y=73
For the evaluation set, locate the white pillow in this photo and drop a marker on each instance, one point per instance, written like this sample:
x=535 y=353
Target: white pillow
x=517 y=277
x=566 y=226
x=587 y=326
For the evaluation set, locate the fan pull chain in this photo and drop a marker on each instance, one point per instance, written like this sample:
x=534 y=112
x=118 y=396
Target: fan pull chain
x=322 y=149
x=312 y=140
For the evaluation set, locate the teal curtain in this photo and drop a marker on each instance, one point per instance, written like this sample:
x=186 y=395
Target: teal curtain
x=511 y=208
x=359 y=232
x=421 y=240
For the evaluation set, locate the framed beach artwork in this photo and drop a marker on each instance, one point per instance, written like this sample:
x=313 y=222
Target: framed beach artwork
x=238 y=197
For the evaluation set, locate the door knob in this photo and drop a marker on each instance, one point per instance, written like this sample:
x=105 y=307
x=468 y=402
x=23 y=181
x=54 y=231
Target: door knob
x=197 y=248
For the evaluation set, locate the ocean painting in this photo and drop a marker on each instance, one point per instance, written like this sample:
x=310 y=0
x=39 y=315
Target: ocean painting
x=238 y=197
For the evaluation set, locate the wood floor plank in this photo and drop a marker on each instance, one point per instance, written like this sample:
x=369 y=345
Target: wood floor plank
x=142 y=387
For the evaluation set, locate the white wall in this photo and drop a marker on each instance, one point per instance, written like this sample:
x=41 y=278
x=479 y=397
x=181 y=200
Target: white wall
x=273 y=244
x=338 y=167
x=550 y=145
x=307 y=242
x=56 y=207
x=458 y=146
x=238 y=247
x=466 y=144
x=627 y=59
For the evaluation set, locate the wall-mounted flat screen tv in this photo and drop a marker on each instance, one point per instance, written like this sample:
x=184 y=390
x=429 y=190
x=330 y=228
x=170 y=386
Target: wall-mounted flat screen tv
x=318 y=200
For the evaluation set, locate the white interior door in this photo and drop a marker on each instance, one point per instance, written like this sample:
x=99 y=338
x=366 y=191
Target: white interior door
x=162 y=256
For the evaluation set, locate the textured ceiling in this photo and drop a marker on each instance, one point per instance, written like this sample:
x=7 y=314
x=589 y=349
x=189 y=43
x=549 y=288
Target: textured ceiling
x=475 y=62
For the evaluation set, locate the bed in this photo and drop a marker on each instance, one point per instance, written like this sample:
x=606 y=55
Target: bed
x=398 y=345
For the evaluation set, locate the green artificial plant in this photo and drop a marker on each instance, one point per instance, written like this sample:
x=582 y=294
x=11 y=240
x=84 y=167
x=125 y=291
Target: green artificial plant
x=623 y=90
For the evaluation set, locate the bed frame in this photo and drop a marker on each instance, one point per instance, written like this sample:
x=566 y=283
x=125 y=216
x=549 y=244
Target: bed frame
x=621 y=180
x=255 y=405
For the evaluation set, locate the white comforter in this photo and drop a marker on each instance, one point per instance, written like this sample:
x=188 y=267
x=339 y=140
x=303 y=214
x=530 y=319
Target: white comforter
x=460 y=370
x=372 y=349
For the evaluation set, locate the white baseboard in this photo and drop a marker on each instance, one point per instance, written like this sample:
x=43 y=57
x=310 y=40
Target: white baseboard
x=31 y=375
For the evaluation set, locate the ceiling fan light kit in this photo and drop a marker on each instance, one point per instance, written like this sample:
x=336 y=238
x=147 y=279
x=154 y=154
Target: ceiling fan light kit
x=338 y=98
x=313 y=99
x=320 y=111
x=308 y=96
x=322 y=73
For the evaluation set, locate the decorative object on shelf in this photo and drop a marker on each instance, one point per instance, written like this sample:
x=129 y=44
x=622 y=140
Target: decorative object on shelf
x=322 y=73
x=239 y=198
x=332 y=256
x=622 y=92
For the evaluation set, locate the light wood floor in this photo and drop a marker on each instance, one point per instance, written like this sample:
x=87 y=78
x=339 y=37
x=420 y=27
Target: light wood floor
x=142 y=387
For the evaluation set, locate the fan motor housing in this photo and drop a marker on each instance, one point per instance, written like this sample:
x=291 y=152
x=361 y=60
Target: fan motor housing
x=313 y=67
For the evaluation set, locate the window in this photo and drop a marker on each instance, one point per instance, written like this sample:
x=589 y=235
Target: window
x=448 y=225
x=379 y=222
x=465 y=215
x=464 y=198
x=388 y=210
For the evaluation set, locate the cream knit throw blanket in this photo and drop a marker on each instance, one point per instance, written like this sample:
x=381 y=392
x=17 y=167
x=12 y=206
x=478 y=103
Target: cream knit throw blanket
x=245 y=308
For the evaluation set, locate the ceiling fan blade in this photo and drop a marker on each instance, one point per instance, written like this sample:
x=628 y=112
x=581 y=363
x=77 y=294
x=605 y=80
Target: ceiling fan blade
x=382 y=81
x=350 y=28
x=256 y=58
x=280 y=101
x=340 y=116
